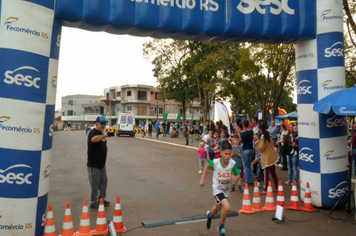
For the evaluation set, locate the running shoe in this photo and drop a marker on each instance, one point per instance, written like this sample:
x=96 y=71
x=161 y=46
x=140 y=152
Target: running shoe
x=209 y=216
x=221 y=231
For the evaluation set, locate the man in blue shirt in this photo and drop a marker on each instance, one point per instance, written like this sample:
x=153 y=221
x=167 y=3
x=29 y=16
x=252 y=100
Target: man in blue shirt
x=273 y=131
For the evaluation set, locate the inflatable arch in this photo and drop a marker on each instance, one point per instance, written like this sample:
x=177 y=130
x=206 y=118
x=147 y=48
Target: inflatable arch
x=30 y=33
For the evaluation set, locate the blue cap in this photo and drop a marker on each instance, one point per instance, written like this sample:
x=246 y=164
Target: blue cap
x=100 y=119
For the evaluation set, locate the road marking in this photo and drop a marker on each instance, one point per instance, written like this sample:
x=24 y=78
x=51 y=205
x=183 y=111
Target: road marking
x=173 y=144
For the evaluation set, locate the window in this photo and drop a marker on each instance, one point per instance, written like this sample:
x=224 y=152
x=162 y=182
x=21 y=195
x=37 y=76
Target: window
x=128 y=93
x=118 y=94
x=75 y=113
x=152 y=92
x=123 y=120
x=130 y=120
x=160 y=110
x=70 y=102
x=69 y=113
x=151 y=108
x=129 y=108
x=142 y=95
x=142 y=110
x=156 y=96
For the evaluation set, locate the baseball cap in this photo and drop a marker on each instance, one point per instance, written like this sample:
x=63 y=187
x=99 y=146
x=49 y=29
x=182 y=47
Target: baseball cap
x=100 y=119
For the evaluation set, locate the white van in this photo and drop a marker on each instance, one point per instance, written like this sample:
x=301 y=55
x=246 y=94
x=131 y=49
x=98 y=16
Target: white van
x=126 y=124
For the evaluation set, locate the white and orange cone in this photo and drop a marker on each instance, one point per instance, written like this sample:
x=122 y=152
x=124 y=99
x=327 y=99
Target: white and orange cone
x=50 y=229
x=280 y=196
x=246 y=202
x=256 y=201
x=118 y=223
x=84 y=226
x=101 y=227
x=294 y=200
x=308 y=205
x=269 y=204
x=67 y=229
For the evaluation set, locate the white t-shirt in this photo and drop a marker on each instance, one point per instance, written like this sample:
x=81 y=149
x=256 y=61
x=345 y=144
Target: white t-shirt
x=205 y=139
x=222 y=176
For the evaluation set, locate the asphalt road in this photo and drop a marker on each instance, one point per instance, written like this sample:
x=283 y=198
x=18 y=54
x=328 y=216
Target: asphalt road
x=158 y=181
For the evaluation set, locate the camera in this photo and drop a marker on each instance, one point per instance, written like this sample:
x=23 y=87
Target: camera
x=111 y=133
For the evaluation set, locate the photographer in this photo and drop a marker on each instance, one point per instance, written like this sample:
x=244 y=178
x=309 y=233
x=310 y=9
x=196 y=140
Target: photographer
x=97 y=151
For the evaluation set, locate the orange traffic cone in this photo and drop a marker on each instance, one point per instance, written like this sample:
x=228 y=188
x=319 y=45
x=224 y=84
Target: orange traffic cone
x=280 y=196
x=308 y=205
x=118 y=223
x=246 y=202
x=269 y=205
x=50 y=229
x=84 y=226
x=294 y=201
x=101 y=227
x=67 y=229
x=256 y=201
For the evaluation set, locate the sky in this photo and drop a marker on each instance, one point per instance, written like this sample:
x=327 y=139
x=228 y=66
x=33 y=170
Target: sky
x=89 y=62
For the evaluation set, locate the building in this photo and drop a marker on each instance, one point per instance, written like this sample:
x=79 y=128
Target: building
x=78 y=110
x=144 y=102
x=141 y=100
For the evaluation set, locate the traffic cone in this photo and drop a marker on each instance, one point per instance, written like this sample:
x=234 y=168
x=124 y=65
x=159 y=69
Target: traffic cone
x=294 y=201
x=269 y=205
x=50 y=229
x=308 y=205
x=84 y=226
x=280 y=196
x=118 y=223
x=256 y=201
x=246 y=202
x=67 y=229
x=101 y=227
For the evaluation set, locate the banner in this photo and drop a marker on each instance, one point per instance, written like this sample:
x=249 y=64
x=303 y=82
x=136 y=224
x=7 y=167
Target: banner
x=222 y=114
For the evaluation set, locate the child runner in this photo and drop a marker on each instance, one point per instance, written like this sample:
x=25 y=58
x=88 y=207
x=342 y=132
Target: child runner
x=222 y=177
x=236 y=156
x=201 y=152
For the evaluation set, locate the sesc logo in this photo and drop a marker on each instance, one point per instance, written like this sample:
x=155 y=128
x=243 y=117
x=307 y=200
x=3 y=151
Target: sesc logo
x=19 y=79
x=275 y=6
x=336 y=50
x=304 y=88
x=338 y=190
x=336 y=121
x=306 y=155
x=15 y=177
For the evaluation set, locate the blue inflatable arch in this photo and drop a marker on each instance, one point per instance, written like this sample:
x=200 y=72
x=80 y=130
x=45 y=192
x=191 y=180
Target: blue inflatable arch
x=30 y=33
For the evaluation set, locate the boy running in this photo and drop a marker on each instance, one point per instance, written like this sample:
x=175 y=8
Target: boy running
x=222 y=177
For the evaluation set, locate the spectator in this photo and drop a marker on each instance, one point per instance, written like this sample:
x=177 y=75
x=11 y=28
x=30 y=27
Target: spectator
x=273 y=131
x=248 y=151
x=269 y=156
x=97 y=152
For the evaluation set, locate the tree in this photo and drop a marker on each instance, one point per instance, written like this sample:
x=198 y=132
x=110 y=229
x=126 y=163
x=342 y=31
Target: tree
x=167 y=56
x=265 y=71
x=350 y=43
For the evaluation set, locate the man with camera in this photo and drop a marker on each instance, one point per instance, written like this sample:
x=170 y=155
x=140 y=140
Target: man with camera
x=97 y=151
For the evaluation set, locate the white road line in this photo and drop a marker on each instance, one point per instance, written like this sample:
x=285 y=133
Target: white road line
x=173 y=144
